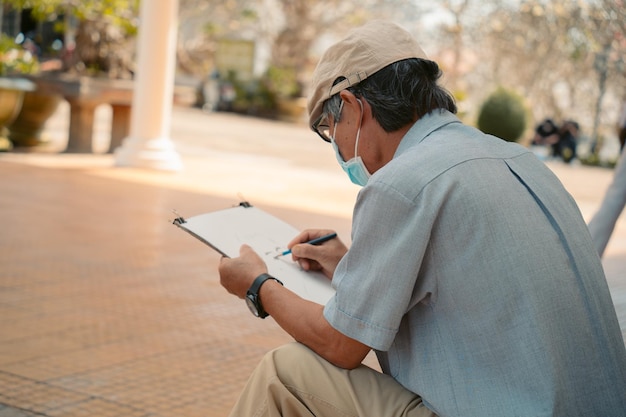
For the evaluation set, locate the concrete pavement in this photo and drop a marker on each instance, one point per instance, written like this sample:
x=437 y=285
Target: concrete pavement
x=108 y=309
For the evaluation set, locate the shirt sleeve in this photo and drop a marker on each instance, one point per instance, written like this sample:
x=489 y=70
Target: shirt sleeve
x=377 y=280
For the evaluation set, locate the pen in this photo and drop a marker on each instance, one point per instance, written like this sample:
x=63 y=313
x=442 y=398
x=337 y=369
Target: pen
x=316 y=241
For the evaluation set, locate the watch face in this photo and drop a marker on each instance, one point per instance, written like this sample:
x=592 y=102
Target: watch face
x=251 y=303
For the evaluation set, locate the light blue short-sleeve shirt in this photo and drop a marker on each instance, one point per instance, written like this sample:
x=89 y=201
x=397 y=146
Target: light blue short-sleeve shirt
x=473 y=276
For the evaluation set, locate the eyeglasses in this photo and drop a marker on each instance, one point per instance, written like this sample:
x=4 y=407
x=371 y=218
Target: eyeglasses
x=322 y=127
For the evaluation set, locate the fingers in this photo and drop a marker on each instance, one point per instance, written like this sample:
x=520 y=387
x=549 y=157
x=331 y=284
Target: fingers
x=307 y=235
x=322 y=257
x=300 y=251
x=237 y=274
x=304 y=264
x=245 y=250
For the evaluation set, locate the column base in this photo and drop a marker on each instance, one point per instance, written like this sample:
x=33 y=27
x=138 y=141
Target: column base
x=156 y=153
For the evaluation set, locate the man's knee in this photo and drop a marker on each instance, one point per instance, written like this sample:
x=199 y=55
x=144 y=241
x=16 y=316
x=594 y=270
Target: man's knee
x=291 y=361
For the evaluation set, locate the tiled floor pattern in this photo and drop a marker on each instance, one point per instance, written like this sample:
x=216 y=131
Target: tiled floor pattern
x=106 y=309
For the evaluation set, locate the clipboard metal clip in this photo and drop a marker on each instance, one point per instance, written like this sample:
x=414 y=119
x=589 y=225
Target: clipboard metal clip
x=179 y=219
x=243 y=202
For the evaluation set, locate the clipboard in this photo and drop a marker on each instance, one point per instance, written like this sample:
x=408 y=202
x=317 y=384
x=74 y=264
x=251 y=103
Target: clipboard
x=226 y=230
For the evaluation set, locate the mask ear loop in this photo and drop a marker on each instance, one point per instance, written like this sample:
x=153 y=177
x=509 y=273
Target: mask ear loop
x=358 y=132
x=332 y=138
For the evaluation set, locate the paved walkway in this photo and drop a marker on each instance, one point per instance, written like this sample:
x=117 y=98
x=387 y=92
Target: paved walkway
x=106 y=309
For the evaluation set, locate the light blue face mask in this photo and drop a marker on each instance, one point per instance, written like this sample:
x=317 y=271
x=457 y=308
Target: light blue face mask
x=355 y=168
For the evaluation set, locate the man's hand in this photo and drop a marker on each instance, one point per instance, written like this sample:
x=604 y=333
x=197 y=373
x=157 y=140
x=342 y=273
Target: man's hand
x=237 y=274
x=302 y=319
x=324 y=257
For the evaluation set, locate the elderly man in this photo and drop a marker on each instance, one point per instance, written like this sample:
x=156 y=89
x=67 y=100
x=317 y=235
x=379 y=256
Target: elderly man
x=471 y=272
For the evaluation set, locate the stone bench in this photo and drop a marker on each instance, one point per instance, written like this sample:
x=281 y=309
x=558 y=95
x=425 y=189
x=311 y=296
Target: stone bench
x=84 y=94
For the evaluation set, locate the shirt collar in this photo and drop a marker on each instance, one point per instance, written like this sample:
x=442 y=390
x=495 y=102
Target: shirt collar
x=426 y=125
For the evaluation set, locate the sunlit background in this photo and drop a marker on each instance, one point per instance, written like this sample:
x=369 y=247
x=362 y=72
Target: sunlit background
x=564 y=58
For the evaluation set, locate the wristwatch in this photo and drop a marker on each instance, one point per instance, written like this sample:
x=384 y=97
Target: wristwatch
x=252 y=296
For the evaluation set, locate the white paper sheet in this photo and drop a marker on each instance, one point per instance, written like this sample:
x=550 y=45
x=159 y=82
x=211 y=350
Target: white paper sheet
x=226 y=230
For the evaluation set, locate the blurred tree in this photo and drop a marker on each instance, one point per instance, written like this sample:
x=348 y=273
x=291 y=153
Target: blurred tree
x=453 y=26
x=204 y=22
x=607 y=31
x=290 y=27
x=102 y=41
x=458 y=9
x=553 y=52
x=305 y=22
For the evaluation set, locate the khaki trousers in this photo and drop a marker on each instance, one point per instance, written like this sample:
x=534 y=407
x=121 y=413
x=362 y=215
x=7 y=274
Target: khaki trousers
x=294 y=381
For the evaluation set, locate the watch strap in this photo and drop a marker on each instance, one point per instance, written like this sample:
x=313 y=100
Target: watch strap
x=256 y=287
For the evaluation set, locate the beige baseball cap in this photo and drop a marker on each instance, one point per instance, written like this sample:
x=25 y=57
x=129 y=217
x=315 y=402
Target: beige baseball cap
x=364 y=51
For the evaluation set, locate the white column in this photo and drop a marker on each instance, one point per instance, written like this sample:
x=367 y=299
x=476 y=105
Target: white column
x=149 y=144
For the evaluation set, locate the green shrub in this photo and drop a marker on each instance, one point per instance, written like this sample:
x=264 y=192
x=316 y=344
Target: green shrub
x=14 y=59
x=503 y=115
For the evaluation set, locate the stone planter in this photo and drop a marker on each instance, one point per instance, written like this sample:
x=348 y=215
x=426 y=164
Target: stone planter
x=37 y=108
x=11 y=97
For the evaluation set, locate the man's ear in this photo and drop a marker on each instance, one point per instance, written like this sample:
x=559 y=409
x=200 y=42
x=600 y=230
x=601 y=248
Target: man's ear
x=352 y=103
x=348 y=97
